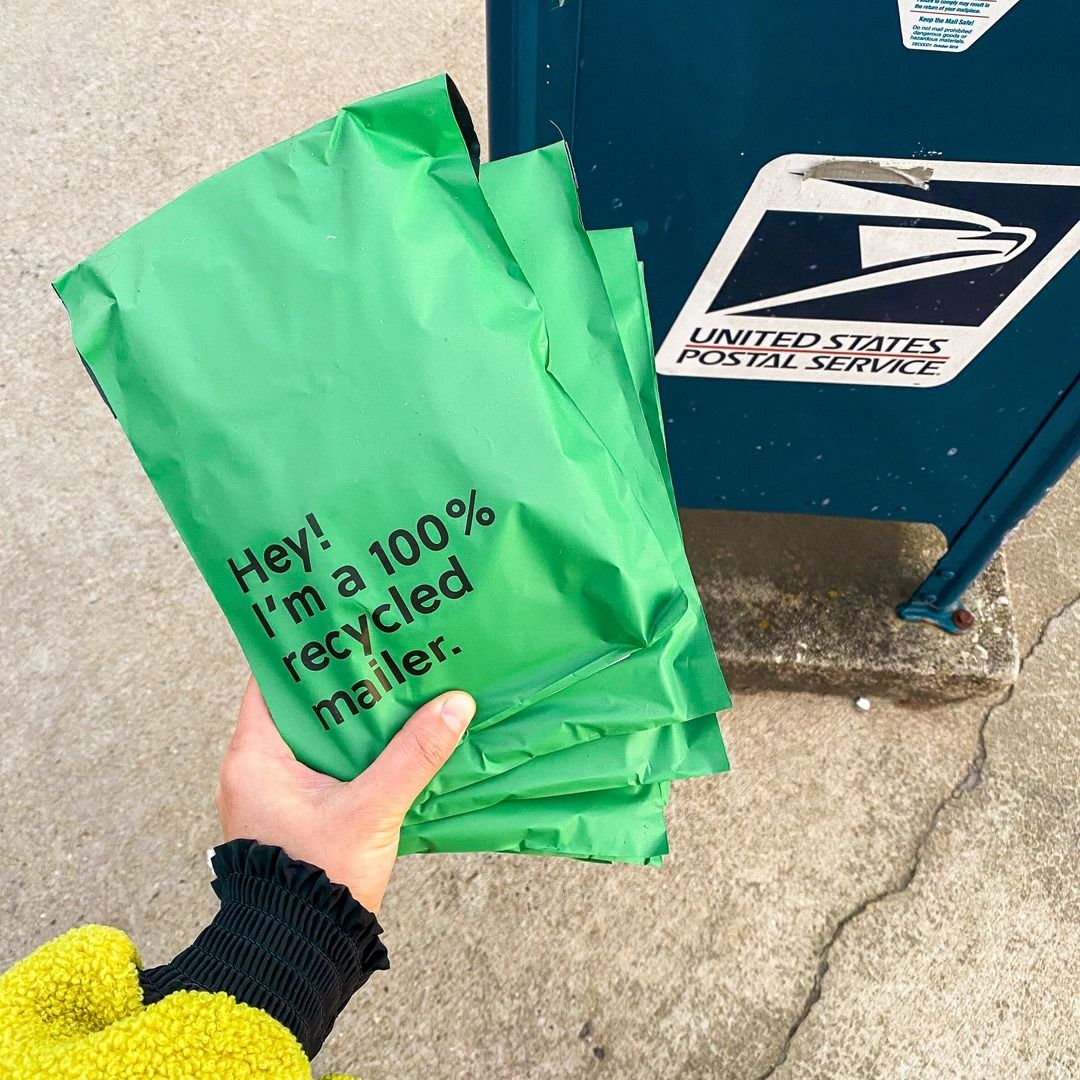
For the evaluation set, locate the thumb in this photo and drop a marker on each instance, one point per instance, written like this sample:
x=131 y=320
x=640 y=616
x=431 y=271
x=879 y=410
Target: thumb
x=417 y=752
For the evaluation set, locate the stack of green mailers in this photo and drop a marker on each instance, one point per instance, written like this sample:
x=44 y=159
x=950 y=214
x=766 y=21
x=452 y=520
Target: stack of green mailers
x=402 y=410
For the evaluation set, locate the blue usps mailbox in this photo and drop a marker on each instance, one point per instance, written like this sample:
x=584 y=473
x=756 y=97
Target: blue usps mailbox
x=860 y=222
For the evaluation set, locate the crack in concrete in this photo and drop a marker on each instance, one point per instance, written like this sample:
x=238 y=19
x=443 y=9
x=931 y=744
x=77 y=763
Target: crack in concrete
x=967 y=783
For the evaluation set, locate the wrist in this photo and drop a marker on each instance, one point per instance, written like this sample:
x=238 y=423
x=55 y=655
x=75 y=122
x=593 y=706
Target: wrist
x=286 y=939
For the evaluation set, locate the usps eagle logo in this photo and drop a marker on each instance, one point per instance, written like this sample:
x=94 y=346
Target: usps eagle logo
x=852 y=270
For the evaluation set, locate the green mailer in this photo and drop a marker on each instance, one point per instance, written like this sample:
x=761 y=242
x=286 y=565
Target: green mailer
x=534 y=199
x=677 y=750
x=628 y=823
x=335 y=375
x=620 y=825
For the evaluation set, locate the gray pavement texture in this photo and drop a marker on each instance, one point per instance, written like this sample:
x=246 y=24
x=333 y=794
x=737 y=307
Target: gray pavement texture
x=891 y=893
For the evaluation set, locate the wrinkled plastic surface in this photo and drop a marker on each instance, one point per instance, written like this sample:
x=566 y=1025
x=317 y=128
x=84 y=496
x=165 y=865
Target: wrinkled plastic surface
x=338 y=376
x=535 y=203
x=627 y=822
x=677 y=750
x=619 y=827
x=325 y=345
x=666 y=753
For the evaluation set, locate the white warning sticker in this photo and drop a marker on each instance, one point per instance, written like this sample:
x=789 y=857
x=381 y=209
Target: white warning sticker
x=949 y=25
x=874 y=272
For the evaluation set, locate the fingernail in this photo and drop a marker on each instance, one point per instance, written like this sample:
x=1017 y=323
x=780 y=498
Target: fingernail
x=457 y=710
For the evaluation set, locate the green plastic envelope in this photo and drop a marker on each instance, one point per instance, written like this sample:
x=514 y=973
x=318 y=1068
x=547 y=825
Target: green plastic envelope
x=673 y=752
x=535 y=202
x=615 y=822
x=622 y=826
x=406 y=422
x=336 y=377
x=677 y=750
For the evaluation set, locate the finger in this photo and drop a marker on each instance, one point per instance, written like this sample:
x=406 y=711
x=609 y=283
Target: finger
x=417 y=752
x=255 y=728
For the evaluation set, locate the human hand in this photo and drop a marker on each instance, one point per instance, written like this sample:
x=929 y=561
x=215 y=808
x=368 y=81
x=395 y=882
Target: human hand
x=347 y=828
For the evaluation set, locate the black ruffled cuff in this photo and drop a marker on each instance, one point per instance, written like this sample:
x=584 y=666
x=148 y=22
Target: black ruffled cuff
x=286 y=940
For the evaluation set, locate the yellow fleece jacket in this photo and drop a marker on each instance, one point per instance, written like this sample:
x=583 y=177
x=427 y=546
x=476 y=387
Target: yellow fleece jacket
x=73 y=1010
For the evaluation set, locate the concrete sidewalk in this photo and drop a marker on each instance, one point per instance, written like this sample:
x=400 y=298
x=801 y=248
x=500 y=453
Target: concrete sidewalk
x=891 y=893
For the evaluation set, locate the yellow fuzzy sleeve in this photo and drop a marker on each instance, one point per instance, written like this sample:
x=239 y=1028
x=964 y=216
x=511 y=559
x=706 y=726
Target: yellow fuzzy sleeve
x=73 y=1010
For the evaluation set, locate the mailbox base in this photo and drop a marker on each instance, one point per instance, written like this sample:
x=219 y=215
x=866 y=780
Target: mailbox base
x=798 y=602
x=956 y=619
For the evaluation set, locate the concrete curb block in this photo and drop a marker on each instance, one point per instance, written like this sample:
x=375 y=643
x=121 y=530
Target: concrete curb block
x=801 y=603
